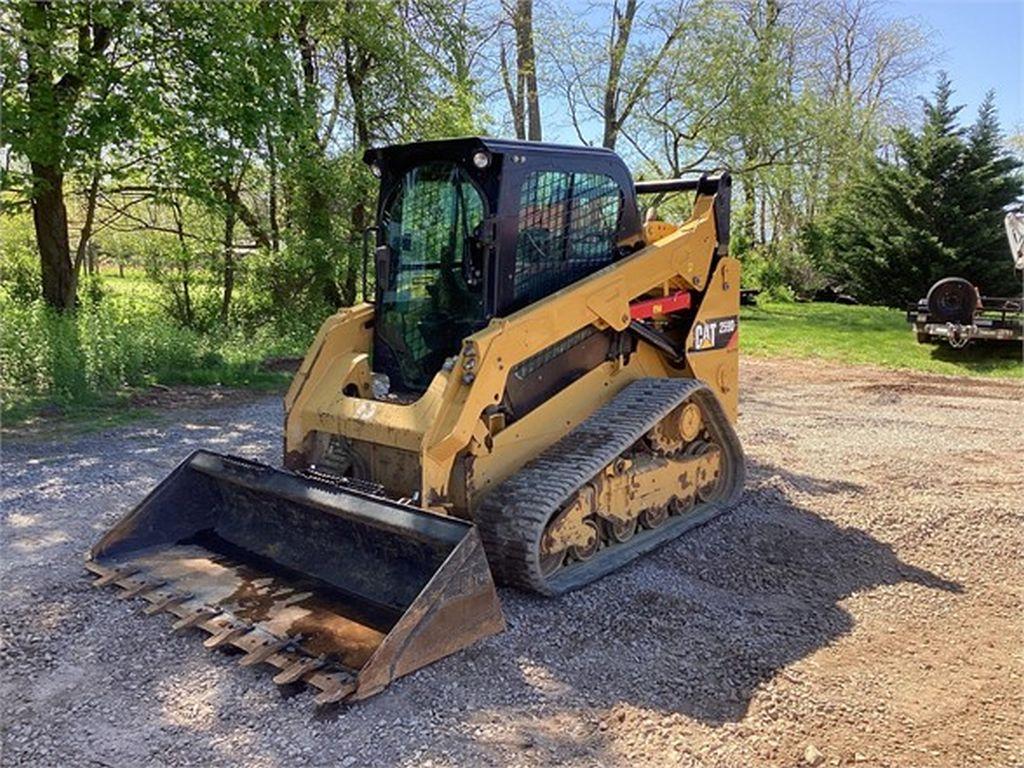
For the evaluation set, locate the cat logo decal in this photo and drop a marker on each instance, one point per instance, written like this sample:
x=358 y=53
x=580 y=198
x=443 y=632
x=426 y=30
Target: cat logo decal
x=714 y=334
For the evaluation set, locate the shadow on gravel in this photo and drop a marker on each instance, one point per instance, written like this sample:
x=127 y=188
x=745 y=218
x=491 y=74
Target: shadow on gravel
x=980 y=356
x=709 y=618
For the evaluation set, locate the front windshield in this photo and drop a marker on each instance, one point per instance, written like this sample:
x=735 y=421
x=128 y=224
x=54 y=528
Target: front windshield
x=433 y=296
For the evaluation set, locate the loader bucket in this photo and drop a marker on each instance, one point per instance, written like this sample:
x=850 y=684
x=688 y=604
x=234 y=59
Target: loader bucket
x=334 y=586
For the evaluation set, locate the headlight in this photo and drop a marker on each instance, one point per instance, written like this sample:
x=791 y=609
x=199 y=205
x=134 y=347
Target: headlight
x=481 y=160
x=375 y=169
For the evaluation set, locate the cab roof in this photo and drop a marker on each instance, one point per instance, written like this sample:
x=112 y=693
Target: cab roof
x=465 y=147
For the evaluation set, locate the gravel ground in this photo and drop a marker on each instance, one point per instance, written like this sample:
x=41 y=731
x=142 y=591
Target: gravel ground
x=861 y=605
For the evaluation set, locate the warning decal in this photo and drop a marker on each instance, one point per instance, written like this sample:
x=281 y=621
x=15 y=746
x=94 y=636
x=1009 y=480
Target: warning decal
x=714 y=334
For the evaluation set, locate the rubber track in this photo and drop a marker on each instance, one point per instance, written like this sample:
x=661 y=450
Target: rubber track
x=512 y=518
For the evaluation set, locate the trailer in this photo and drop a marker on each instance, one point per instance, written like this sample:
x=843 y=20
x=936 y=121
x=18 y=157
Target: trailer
x=990 y=318
x=955 y=311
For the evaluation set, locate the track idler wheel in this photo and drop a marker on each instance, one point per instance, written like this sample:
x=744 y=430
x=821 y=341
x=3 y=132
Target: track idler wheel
x=654 y=516
x=620 y=531
x=551 y=561
x=680 y=507
x=582 y=553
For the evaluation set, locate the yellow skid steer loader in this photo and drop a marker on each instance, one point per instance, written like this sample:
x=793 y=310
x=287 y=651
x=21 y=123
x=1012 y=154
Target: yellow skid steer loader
x=543 y=388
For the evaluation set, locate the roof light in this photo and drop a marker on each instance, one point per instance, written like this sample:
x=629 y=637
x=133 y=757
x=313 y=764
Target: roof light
x=481 y=160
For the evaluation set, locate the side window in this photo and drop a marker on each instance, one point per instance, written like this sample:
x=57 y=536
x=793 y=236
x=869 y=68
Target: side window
x=567 y=224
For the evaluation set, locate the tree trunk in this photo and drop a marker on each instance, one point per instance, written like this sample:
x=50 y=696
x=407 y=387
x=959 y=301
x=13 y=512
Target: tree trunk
x=189 y=318
x=619 y=43
x=357 y=66
x=316 y=218
x=185 y=310
x=241 y=211
x=526 y=63
x=51 y=99
x=515 y=105
x=763 y=220
x=229 y=265
x=275 y=228
x=50 y=218
x=748 y=221
x=83 y=251
x=355 y=266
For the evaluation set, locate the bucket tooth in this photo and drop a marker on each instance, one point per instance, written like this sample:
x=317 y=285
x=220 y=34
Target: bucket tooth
x=295 y=672
x=166 y=604
x=192 y=619
x=113 y=575
x=140 y=589
x=226 y=635
x=262 y=653
x=338 y=693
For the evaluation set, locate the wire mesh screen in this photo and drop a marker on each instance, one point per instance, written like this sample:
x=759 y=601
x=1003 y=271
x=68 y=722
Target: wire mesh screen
x=567 y=226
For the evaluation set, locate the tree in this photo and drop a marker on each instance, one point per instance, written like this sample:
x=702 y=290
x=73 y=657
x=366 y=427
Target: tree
x=790 y=95
x=932 y=211
x=676 y=127
x=523 y=97
x=369 y=73
x=991 y=177
x=223 y=72
x=74 y=76
x=608 y=82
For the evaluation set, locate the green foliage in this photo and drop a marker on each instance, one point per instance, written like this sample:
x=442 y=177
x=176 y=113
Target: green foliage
x=123 y=341
x=271 y=281
x=782 y=269
x=861 y=335
x=933 y=211
x=19 y=260
x=181 y=271
x=46 y=119
x=225 y=142
x=71 y=357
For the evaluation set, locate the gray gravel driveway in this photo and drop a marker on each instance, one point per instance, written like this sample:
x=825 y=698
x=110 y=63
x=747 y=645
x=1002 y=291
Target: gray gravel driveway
x=862 y=605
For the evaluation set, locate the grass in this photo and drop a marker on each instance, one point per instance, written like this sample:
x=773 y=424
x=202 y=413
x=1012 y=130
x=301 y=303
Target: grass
x=84 y=367
x=862 y=335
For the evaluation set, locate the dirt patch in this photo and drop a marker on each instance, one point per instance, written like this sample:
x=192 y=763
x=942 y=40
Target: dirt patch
x=192 y=397
x=953 y=388
x=156 y=403
x=281 y=364
x=859 y=607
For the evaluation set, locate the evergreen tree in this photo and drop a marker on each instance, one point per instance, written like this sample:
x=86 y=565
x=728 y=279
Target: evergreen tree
x=934 y=210
x=992 y=174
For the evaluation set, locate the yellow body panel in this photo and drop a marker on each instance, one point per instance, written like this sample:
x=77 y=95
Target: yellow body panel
x=447 y=427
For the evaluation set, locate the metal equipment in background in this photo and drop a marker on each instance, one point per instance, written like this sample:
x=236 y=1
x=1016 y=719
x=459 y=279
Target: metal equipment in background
x=955 y=311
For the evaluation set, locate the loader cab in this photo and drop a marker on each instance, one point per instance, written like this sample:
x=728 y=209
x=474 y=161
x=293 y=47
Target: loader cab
x=473 y=229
